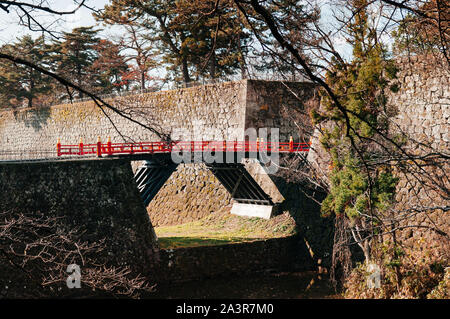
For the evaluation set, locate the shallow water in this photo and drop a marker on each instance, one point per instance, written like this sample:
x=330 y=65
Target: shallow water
x=287 y=285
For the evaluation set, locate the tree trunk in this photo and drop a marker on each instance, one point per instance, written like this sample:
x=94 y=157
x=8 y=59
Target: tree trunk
x=79 y=80
x=30 y=97
x=30 y=101
x=186 y=77
x=212 y=65
x=364 y=244
x=118 y=87
x=366 y=250
x=184 y=61
x=142 y=81
x=78 y=66
x=242 y=59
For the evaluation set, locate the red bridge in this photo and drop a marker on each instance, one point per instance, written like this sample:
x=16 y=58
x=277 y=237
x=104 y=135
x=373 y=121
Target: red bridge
x=110 y=148
x=159 y=165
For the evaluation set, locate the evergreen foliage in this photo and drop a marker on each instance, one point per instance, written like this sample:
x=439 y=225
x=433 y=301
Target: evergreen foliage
x=20 y=83
x=196 y=39
x=359 y=190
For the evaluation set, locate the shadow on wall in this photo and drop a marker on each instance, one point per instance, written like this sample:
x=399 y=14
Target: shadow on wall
x=193 y=263
x=300 y=202
x=36 y=117
x=317 y=231
x=96 y=197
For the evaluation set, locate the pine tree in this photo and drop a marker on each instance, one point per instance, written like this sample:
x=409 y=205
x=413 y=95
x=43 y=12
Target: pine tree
x=18 y=82
x=359 y=190
x=294 y=19
x=195 y=38
x=74 y=55
x=109 y=68
x=422 y=34
x=141 y=54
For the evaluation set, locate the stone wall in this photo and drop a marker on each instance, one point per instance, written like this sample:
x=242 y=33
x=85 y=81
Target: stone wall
x=100 y=196
x=210 y=112
x=98 y=199
x=301 y=202
x=277 y=254
x=32 y=133
x=423 y=115
x=423 y=102
x=191 y=193
x=420 y=114
x=283 y=105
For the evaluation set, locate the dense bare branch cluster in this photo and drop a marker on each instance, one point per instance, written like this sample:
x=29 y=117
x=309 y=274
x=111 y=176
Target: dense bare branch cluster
x=37 y=250
x=30 y=13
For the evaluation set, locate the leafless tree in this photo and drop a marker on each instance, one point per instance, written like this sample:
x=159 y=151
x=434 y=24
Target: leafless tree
x=37 y=249
x=313 y=58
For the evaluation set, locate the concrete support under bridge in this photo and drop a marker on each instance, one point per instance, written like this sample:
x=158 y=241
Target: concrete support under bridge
x=249 y=198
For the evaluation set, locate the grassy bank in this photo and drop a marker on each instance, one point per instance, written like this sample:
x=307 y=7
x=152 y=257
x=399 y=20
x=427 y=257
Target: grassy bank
x=223 y=228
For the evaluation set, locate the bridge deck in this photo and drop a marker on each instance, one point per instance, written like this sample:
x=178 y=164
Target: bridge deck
x=211 y=147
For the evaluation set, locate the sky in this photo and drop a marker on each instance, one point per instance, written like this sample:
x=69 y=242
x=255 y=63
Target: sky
x=10 y=28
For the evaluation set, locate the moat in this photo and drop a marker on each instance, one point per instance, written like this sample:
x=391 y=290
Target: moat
x=276 y=285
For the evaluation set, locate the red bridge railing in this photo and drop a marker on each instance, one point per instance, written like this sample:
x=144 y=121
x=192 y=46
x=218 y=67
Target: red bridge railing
x=109 y=148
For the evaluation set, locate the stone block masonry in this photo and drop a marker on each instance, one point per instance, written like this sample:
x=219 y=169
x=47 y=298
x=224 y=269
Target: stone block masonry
x=419 y=112
x=97 y=198
x=191 y=193
x=422 y=107
x=211 y=112
x=194 y=263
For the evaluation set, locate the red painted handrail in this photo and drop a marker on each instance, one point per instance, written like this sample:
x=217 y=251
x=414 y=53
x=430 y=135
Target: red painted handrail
x=180 y=146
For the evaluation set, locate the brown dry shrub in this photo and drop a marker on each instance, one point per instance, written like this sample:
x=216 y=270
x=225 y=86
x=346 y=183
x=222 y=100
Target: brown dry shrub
x=406 y=272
